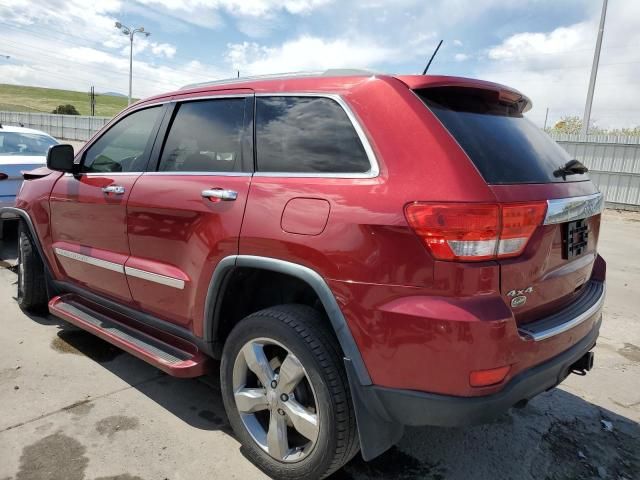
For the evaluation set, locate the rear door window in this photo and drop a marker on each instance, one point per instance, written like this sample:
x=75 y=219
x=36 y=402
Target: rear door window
x=504 y=146
x=206 y=136
x=309 y=135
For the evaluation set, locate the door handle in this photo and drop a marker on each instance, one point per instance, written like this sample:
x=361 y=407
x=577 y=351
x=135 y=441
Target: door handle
x=115 y=189
x=220 y=194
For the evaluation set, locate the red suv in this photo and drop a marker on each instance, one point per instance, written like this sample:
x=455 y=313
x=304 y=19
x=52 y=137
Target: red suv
x=361 y=252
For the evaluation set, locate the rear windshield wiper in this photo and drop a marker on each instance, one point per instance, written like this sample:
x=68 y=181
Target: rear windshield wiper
x=572 y=167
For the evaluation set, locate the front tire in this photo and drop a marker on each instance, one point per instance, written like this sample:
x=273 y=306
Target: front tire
x=32 y=285
x=286 y=393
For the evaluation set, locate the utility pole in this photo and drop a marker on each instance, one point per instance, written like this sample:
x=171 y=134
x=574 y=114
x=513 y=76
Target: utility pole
x=92 y=101
x=594 y=72
x=546 y=116
x=130 y=32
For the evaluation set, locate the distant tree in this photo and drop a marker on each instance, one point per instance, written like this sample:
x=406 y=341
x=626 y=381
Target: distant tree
x=67 y=109
x=572 y=125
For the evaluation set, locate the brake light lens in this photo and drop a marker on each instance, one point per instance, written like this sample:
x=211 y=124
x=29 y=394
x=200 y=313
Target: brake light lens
x=475 y=232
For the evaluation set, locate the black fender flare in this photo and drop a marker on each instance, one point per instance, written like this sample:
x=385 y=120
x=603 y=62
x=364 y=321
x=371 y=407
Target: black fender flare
x=307 y=275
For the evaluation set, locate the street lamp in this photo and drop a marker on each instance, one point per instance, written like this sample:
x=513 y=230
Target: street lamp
x=131 y=32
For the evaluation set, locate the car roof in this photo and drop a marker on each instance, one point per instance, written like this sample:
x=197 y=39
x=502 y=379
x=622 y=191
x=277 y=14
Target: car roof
x=14 y=129
x=334 y=81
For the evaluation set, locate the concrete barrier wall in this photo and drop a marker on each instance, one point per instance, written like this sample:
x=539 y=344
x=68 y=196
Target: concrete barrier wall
x=67 y=127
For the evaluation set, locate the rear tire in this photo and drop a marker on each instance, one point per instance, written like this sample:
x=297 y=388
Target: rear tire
x=289 y=335
x=32 y=285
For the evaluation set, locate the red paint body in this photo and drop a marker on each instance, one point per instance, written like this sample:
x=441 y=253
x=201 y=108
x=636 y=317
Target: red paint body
x=420 y=324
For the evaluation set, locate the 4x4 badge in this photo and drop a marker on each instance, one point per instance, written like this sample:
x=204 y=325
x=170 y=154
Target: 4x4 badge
x=516 y=293
x=519 y=297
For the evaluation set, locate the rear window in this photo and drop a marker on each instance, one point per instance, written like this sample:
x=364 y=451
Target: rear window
x=504 y=146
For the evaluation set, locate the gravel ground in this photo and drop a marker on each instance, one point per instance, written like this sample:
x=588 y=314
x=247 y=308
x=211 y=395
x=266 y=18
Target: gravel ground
x=74 y=407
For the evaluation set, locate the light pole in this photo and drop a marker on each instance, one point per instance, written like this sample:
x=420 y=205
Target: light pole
x=131 y=32
x=594 y=72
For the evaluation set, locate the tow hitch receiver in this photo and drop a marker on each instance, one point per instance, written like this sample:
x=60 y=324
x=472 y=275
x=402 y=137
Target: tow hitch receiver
x=583 y=365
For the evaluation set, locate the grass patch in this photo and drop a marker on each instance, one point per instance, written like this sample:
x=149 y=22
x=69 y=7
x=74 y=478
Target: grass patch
x=35 y=99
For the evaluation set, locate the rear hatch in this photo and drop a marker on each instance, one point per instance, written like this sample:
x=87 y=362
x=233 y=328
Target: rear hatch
x=522 y=165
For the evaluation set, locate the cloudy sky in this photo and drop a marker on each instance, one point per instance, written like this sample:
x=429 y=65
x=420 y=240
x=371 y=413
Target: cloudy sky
x=542 y=47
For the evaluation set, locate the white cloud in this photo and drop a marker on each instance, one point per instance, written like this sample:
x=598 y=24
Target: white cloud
x=553 y=68
x=457 y=43
x=461 y=57
x=307 y=53
x=250 y=8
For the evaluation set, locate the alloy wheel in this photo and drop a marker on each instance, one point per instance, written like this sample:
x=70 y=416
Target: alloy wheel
x=276 y=400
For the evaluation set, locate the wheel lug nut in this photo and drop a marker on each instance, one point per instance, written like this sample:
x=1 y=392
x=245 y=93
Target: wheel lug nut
x=281 y=411
x=274 y=384
x=284 y=397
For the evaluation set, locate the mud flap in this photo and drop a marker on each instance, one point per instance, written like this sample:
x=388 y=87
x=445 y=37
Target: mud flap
x=377 y=433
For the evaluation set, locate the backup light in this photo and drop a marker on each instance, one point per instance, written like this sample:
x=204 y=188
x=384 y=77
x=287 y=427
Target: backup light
x=475 y=232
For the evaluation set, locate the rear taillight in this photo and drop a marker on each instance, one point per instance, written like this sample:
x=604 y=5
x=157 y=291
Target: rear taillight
x=475 y=232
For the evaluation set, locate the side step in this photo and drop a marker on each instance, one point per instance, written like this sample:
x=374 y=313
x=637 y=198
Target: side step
x=171 y=354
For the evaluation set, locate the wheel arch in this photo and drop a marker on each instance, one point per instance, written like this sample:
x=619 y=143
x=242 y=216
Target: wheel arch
x=218 y=289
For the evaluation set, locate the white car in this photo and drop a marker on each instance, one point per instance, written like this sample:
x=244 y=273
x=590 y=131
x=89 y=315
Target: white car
x=21 y=149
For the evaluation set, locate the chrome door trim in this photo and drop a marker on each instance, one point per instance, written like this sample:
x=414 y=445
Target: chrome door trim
x=96 y=262
x=561 y=210
x=200 y=174
x=155 y=277
x=374 y=169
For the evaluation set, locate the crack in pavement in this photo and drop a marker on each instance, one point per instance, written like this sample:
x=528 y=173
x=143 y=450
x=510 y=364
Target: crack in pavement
x=75 y=404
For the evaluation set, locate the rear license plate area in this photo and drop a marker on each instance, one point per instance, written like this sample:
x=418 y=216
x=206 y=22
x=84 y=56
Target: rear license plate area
x=575 y=238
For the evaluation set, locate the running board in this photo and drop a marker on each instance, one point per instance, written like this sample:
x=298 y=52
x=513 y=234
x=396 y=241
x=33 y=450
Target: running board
x=171 y=354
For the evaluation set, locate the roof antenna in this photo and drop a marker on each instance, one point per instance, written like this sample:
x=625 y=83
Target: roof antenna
x=432 y=57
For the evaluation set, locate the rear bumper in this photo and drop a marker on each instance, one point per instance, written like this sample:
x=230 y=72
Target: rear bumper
x=409 y=407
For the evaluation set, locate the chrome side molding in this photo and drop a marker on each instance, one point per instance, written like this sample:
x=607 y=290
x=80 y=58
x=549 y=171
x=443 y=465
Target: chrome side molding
x=155 y=277
x=120 y=268
x=96 y=262
x=561 y=210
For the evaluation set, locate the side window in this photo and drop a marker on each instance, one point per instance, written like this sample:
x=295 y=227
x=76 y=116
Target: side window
x=205 y=136
x=125 y=146
x=306 y=135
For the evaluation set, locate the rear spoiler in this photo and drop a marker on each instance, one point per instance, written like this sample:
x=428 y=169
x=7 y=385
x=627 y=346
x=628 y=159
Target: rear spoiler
x=505 y=94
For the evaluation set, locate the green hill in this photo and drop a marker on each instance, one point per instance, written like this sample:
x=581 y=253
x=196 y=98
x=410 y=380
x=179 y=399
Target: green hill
x=35 y=99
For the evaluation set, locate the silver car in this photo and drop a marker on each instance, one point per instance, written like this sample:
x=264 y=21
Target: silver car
x=21 y=149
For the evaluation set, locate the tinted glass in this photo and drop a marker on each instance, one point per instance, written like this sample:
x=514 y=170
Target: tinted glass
x=24 y=144
x=205 y=136
x=504 y=146
x=306 y=135
x=124 y=147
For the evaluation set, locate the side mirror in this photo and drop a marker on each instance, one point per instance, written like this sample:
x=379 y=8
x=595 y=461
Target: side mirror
x=60 y=158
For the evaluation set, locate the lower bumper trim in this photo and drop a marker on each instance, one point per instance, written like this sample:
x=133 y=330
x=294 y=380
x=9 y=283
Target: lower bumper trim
x=419 y=408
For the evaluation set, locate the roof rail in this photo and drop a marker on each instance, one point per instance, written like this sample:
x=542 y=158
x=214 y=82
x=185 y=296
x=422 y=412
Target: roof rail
x=335 y=72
